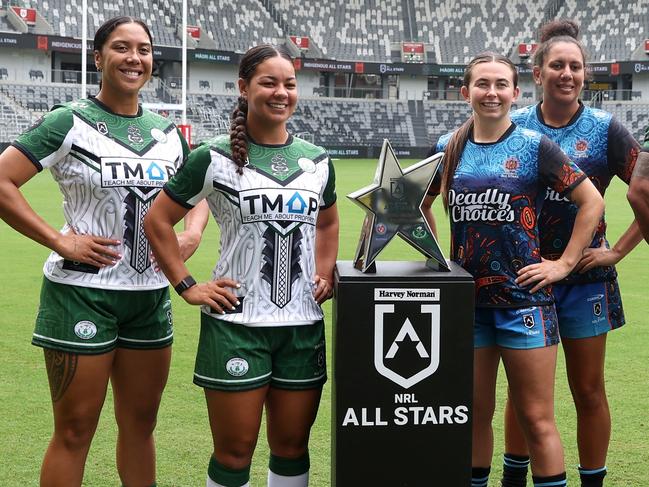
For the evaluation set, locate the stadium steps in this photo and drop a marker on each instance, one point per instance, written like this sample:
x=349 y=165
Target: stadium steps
x=416 y=109
x=409 y=21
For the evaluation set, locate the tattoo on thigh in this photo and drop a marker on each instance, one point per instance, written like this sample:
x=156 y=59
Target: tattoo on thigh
x=61 y=367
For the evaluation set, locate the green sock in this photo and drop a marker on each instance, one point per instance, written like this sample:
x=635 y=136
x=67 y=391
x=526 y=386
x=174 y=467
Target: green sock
x=227 y=477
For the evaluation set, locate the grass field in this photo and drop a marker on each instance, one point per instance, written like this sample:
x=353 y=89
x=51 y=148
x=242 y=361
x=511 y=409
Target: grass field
x=183 y=437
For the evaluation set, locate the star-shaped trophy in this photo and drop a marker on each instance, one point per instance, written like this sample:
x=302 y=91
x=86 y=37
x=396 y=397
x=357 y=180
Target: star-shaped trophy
x=392 y=204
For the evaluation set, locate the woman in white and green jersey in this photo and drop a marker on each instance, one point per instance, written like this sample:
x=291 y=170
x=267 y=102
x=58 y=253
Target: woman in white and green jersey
x=105 y=311
x=262 y=332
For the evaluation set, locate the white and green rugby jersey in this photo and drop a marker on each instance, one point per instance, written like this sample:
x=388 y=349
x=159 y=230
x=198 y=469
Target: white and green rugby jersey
x=109 y=169
x=267 y=217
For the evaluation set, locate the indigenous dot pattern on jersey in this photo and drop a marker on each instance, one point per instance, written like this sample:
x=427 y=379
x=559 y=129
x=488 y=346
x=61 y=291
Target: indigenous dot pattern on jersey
x=602 y=148
x=494 y=200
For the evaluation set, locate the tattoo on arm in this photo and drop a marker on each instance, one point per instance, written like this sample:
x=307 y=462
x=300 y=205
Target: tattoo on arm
x=61 y=367
x=642 y=166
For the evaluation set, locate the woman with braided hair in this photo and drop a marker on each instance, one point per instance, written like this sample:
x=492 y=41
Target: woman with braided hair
x=262 y=333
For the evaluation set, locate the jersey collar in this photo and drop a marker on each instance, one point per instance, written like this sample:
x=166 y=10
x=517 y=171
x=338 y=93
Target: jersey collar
x=506 y=134
x=107 y=109
x=539 y=115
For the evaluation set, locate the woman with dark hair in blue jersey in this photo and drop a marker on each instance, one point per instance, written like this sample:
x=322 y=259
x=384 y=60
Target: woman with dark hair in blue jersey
x=588 y=300
x=493 y=183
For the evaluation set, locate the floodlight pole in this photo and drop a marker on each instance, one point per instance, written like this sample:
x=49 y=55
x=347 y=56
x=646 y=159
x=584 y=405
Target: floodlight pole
x=84 y=41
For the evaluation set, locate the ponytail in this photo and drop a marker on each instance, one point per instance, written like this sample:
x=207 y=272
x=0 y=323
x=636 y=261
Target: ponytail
x=239 y=134
x=452 y=156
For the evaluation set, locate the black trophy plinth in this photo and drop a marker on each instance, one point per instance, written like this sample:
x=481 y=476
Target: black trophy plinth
x=403 y=370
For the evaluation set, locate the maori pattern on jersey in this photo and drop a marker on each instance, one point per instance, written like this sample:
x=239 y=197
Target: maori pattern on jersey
x=134 y=236
x=281 y=256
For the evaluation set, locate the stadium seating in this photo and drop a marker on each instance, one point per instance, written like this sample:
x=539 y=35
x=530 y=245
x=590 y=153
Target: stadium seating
x=65 y=16
x=460 y=30
x=365 y=30
x=332 y=121
x=610 y=30
x=347 y=29
x=224 y=21
x=634 y=116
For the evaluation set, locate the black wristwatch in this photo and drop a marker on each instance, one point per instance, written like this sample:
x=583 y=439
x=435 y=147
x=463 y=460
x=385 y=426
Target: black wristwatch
x=185 y=284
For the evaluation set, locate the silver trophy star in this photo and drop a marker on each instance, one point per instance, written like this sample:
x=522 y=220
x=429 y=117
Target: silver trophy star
x=392 y=204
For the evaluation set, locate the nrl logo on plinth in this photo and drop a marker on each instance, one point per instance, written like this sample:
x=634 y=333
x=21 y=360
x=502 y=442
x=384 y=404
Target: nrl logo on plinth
x=406 y=334
x=392 y=204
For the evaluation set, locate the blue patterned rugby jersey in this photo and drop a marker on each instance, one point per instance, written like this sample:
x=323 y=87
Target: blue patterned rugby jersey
x=602 y=147
x=494 y=201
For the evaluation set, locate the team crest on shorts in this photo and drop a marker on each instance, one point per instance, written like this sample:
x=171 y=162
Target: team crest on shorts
x=597 y=308
x=528 y=320
x=321 y=359
x=237 y=367
x=85 y=330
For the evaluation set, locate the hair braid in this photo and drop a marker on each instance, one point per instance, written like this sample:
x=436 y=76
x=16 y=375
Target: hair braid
x=239 y=135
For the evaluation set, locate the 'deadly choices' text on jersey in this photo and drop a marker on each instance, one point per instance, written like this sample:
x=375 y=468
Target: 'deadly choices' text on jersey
x=267 y=217
x=602 y=147
x=109 y=169
x=494 y=202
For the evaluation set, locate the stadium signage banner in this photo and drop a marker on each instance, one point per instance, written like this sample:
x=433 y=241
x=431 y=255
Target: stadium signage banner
x=325 y=65
x=214 y=56
x=403 y=364
x=369 y=152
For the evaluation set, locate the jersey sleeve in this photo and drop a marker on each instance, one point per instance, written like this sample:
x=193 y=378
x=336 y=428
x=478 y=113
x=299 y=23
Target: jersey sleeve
x=556 y=170
x=329 y=194
x=622 y=150
x=46 y=142
x=193 y=181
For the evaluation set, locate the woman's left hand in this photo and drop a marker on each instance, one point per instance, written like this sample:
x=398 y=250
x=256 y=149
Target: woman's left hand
x=542 y=274
x=322 y=289
x=596 y=257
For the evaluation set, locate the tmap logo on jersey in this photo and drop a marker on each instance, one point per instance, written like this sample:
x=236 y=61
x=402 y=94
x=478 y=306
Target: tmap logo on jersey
x=491 y=205
x=135 y=172
x=283 y=205
x=407 y=345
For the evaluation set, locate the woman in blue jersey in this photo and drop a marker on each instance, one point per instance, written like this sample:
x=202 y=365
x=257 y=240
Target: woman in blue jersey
x=105 y=313
x=492 y=185
x=262 y=337
x=588 y=300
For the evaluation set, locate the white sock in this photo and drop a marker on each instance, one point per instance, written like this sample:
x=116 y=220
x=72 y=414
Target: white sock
x=211 y=483
x=275 y=480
